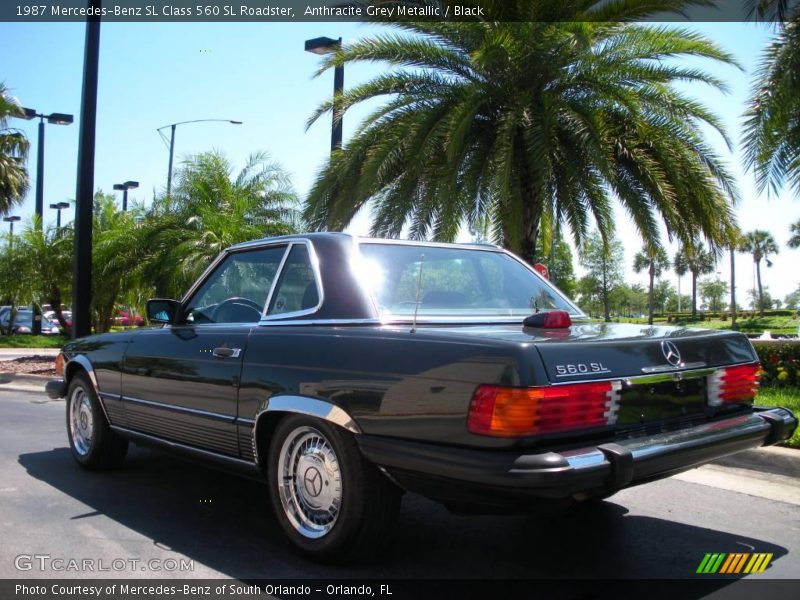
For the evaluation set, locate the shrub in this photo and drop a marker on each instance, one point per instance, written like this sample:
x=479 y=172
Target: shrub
x=780 y=362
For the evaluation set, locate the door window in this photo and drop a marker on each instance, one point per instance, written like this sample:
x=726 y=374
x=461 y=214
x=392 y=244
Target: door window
x=297 y=287
x=237 y=290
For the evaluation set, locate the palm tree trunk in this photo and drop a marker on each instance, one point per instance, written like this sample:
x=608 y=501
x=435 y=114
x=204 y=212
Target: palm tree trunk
x=733 y=288
x=694 y=294
x=760 y=290
x=650 y=293
x=606 y=311
x=532 y=207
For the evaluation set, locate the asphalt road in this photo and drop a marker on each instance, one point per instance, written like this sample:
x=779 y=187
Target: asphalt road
x=158 y=507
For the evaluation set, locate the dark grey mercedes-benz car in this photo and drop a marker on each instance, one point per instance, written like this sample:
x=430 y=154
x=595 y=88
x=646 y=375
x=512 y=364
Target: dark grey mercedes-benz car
x=345 y=371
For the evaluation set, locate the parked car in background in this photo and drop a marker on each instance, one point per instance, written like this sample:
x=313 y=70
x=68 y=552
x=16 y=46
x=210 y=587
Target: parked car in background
x=67 y=314
x=346 y=371
x=23 y=323
x=123 y=319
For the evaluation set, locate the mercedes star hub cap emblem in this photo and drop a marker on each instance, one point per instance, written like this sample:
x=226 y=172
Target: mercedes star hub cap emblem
x=671 y=353
x=312 y=481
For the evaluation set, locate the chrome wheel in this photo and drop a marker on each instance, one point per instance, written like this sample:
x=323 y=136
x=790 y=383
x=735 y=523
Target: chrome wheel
x=309 y=482
x=81 y=422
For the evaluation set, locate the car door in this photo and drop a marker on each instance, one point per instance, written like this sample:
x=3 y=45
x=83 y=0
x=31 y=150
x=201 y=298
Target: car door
x=180 y=382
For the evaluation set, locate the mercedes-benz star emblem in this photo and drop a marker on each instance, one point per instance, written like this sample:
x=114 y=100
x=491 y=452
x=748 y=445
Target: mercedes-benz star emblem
x=671 y=353
x=312 y=481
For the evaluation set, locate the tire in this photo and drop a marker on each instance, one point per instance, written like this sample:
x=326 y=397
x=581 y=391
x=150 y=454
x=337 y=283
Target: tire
x=333 y=505
x=93 y=444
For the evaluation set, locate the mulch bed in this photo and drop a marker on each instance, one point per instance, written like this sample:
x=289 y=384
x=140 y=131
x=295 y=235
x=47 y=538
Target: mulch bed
x=30 y=365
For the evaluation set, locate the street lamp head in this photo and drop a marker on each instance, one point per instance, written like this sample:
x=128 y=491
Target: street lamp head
x=235 y=122
x=131 y=185
x=63 y=205
x=60 y=119
x=119 y=187
x=55 y=206
x=322 y=45
x=27 y=113
x=12 y=219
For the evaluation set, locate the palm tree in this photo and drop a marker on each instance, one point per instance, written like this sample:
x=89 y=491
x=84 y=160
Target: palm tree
x=772 y=126
x=510 y=118
x=681 y=268
x=698 y=261
x=654 y=260
x=734 y=246
x=760 y=244
x=13 y=152
x=211 y=209
x=794 y=241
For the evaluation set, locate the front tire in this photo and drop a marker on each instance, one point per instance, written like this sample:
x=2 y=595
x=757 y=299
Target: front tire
x=332 y=504
x=93 y=444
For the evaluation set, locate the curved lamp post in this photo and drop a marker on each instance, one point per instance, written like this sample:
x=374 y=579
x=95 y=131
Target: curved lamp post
x=173 y=126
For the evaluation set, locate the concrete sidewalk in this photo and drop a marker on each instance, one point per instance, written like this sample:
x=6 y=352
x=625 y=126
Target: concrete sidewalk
x=12 y=353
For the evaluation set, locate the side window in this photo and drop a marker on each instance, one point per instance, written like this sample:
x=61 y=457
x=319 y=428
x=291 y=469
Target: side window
x=237 y=289
x=297 y=287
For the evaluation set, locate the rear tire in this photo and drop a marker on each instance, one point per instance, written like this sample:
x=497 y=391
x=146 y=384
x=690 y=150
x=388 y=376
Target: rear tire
x=93 y=444
x=332 y=504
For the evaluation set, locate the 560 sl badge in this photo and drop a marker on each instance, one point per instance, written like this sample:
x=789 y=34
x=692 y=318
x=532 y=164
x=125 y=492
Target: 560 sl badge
x=571 y=370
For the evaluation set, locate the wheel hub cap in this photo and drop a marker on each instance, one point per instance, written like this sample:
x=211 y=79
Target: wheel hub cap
x=310 y=482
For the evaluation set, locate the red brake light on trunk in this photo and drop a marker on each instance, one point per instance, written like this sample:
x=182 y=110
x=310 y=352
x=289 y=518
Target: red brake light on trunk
x=553 y=319
x=517 y=412
x=734 y=384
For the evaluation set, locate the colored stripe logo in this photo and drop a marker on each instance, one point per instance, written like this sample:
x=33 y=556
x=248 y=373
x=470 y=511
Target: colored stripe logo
x=736 y=563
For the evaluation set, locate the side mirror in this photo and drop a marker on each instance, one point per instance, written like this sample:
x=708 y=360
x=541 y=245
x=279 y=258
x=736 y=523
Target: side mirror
x=163 y=311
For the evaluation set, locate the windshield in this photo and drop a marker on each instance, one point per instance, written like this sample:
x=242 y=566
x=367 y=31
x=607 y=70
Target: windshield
x=455 y=282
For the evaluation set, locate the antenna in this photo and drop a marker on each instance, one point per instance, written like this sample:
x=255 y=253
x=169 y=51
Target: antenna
x=419 y=289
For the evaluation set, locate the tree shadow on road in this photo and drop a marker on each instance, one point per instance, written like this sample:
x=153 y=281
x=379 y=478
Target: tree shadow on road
x=225 y=522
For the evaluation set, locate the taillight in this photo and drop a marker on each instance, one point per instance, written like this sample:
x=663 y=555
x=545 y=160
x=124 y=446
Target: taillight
x=553 y=319
x=733 y=384
x=60 y=364
x=512 y=412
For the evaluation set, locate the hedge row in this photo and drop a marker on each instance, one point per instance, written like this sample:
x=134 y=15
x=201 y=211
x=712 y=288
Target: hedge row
x=780 y=362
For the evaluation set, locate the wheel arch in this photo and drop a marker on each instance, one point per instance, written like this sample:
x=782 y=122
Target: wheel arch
x=277 y=407
x=77 y=364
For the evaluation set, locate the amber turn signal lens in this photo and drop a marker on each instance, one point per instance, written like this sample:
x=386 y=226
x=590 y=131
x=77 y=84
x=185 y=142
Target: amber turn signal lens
x=60 y=364
x=519 y=412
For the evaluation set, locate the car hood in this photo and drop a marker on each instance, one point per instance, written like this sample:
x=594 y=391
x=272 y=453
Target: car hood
x=610 y=350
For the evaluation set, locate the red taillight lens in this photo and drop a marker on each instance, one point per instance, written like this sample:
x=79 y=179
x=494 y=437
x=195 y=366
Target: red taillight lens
x=734 y=384
x=554 y=319
x=512 y=412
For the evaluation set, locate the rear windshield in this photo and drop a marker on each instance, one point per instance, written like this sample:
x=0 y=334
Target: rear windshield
x=454 y=282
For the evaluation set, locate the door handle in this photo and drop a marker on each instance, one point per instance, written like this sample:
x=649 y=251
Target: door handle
x=224 y=352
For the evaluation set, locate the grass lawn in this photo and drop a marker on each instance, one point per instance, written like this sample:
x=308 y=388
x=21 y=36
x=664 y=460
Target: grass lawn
x=788 y=397
x=32 y=341
x=772 y=324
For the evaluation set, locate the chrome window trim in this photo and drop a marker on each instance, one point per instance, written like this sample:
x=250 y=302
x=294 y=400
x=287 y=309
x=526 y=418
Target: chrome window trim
x=273 y=285
x=313 y=259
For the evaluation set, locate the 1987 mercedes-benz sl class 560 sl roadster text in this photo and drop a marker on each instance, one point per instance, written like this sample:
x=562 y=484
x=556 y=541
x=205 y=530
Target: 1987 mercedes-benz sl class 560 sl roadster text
x=346 y=371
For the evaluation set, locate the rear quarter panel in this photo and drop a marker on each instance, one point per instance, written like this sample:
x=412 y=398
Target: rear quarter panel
x=392 y=382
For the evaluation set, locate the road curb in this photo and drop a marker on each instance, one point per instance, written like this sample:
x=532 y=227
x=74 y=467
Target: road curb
x=23 y=382
x=771 y=459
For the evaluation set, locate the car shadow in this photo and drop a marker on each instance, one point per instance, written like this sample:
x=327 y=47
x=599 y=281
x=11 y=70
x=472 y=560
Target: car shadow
x=225 y=523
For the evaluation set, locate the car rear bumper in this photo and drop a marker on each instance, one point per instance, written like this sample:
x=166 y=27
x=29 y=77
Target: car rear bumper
x=485 y=476
x=56 y=388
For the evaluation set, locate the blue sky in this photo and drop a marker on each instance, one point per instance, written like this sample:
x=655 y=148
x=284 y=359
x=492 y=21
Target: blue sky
x=155 y=74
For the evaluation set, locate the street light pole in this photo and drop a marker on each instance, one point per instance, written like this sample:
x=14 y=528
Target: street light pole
x=59 y=206
x=326 y=45
x=128 y=185
x=172 y=127
x=84 y=199
x=54 y=119
x=11 y=220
